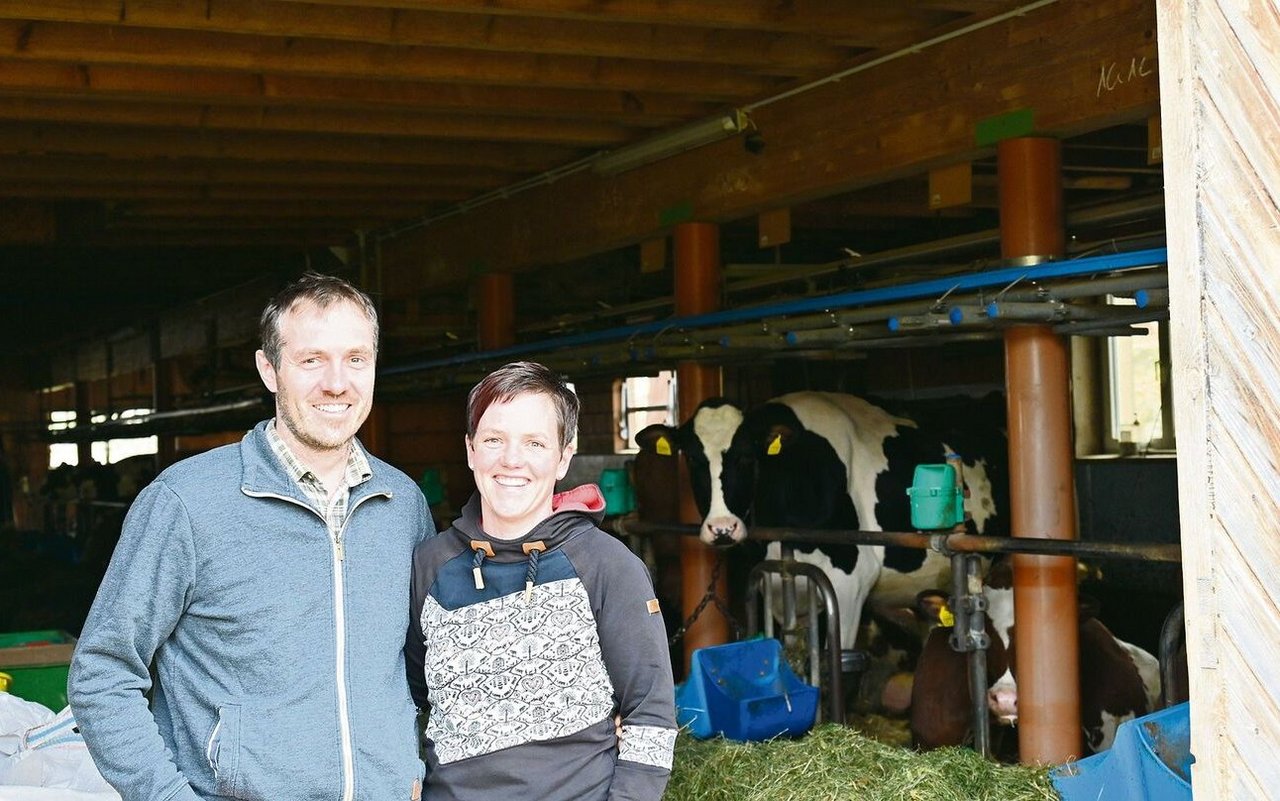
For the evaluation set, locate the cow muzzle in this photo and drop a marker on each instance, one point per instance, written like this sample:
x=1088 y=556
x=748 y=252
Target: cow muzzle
x=1003 y=702
x=723 y=531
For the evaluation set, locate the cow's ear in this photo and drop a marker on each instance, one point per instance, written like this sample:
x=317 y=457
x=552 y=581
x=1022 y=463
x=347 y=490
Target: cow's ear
x=778 y=438
x=658 y=438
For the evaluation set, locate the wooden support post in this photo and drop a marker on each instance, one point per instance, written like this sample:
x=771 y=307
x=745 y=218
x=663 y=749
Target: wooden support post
x=375 y=435
x=697 y=291
x=1042 y=489
x=84 y=448
x=496 y=310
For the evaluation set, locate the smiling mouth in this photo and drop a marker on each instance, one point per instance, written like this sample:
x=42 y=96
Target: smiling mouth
x=332 y=408
x=511 y=482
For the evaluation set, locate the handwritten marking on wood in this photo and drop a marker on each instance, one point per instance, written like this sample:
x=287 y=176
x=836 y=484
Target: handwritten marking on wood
x=1115 y=74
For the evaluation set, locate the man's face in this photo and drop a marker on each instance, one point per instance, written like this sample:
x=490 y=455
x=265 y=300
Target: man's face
x=324 y=385
x=516 y=459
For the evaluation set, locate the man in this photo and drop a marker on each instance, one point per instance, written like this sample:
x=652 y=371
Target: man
x=531 y=627
x=267 y=581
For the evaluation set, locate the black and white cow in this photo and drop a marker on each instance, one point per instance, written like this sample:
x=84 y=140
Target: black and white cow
x=836 y=461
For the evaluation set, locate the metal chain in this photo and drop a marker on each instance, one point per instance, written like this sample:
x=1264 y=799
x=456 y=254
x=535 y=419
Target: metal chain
x=708 y=598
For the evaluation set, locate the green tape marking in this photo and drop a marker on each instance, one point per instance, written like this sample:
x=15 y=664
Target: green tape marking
x=680 y=212
x=1019 y=122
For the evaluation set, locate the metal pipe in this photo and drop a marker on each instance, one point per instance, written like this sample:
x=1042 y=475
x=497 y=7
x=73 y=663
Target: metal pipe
x=978 y=644
x=760 y=574
x=934 y=288
x=815 y=645
x=788 y=582
x=1172 y=634
x=1125 y=284
x=943 y=543
x=1048 y=311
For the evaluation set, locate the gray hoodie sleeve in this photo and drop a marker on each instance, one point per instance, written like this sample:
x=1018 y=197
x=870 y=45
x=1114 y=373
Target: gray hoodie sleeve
x=137 y=607
x=633 y=641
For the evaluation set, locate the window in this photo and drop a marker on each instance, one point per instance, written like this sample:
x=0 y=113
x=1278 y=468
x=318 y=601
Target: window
x=61 y=453
x=643 y=401
x=105 y=451
x=1137 y=391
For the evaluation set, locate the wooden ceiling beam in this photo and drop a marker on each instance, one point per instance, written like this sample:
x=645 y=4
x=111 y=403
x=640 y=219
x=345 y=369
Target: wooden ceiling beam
x=265 y=208
x=211 y=86
x=867 y=23
x=415 y=196
x=319 y=236
x=83 y=140
x=210 y=223
x=768 y=52
x=71 y=171
x=593 y=135
x=898 y=119
x=107 y=44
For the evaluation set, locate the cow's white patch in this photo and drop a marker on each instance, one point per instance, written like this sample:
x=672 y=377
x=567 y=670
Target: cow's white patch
x=1148 y=670
x=1002 y=698
x=851 y=589
x=856 y=430
x=1000 y=611
x=1103 y=737
x=898 y=589
x=714 y=428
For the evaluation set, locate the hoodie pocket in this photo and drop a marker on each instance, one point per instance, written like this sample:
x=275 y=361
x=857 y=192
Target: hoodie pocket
x=223 y=748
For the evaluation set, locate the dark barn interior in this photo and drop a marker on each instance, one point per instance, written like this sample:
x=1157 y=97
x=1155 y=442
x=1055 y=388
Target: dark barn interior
x=511 y=180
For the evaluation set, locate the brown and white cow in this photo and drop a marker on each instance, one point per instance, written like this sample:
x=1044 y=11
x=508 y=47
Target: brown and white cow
x=835 y=461
x=1118 y=681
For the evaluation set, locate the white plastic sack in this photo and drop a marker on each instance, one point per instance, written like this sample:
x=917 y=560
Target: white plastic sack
x=43 y=756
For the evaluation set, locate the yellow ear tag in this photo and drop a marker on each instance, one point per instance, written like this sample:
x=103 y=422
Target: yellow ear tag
x=775 y=447
x=662 y=447
x=945 y=618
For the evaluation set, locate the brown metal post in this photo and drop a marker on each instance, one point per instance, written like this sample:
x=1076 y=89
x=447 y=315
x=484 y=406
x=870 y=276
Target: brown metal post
x=375 y=434
x=84 y=404
x=697 y=291
x=496 y=311
x=1042 y=488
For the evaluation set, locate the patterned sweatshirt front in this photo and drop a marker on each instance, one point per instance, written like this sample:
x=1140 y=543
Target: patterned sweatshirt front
x=524 y=650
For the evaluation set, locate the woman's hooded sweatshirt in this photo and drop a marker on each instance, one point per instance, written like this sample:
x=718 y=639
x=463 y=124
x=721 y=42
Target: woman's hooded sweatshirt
x=524 y=650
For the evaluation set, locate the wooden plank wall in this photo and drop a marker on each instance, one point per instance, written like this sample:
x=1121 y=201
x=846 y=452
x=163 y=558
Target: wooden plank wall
x=1220 y=104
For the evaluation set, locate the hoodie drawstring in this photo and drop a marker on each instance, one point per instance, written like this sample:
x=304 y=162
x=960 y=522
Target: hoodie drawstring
x=532 y=550
x=482 y=550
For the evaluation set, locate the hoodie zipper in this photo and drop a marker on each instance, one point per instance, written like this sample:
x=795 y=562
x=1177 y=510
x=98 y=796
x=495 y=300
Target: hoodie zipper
x=340 y=625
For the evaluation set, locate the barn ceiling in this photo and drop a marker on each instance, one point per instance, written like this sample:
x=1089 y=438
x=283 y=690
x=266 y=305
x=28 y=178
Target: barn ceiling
x=155 y=151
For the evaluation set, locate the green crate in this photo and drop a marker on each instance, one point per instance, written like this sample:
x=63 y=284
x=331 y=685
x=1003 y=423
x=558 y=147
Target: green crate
x=38 y=662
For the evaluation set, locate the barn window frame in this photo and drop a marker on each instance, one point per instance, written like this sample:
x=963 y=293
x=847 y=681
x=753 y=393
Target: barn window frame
x=1129 y=379
x=640 y=401
x=106 y=451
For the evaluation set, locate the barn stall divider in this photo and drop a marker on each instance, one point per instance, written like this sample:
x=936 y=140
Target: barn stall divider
x=967 y=603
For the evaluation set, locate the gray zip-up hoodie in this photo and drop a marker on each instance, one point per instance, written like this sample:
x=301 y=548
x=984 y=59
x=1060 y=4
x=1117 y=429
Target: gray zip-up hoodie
x=278 y=655
x=525 y=649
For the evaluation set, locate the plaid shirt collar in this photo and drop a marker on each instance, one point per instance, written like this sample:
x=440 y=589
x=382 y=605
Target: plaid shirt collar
x=358 y=470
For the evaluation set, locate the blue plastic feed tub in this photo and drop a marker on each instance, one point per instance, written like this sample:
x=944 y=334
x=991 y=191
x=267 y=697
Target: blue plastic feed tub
x=1150 y=761
x=744 y=691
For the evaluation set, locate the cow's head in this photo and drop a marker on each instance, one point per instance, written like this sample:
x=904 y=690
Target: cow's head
x=759 y=465
x=721 y=470
x=1002 y=693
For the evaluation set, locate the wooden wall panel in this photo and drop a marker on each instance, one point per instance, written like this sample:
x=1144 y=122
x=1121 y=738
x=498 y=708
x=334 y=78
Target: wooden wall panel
x=1220 y=88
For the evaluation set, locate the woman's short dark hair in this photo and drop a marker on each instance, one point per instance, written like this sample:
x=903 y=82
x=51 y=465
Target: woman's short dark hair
x=311 y=287
x=519 y=378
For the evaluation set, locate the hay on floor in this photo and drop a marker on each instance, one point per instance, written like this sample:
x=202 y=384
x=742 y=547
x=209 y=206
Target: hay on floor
x=835 y=762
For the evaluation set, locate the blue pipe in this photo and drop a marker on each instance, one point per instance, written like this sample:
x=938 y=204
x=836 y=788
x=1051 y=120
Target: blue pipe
x=864 y=297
